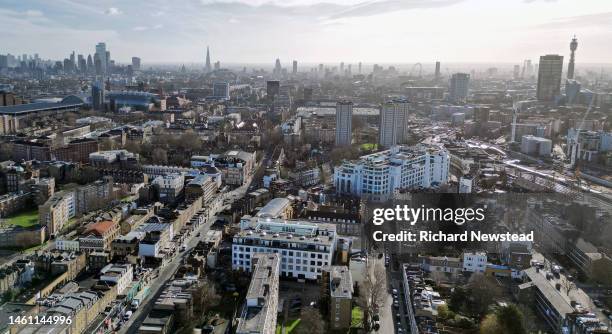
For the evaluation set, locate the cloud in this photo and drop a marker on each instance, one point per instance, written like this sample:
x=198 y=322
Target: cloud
x=145 y=28
x=34 y=13
x=323 y=9
x=580 y=22
x=381 y=7
x=112 y=11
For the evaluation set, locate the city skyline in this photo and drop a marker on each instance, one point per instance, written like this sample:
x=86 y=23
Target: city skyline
x=310 y=31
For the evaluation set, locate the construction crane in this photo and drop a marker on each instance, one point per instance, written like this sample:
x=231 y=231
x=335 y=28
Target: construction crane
x=515 y=110
x=573 y=144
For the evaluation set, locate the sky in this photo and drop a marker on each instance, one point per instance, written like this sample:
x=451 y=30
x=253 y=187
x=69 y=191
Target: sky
x=311 y=31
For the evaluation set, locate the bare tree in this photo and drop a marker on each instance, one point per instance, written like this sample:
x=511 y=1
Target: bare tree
x=311 y=322
x=437 y=277
x=373 y=289
x=159 y=156
x=567 y=285
x=483 y=292
x=207 y=298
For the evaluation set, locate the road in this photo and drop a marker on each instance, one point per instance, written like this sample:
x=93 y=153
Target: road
x=392 y=319
x=166 y=272
x=170 y=268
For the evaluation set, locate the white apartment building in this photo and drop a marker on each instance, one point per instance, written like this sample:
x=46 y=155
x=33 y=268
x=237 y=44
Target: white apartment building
x=536 y=146
x=304 y=247
x=378 y=175
x=170 y=186
x=393 y=120
x=67 y=245
x=57 y=210
x=475 y=262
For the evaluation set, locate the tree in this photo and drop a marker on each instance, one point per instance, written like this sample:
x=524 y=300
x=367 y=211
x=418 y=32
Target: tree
x=510 y=319
x=490 y=325
x=159 y=156
x=372 y=294
x=190 y=141
x=483 y=292
x=529 y=318
x=9 y=295
x=437 y=277
x=567 y=285
x=445 y=313
x=208 y=297
x=311 y=322
x=457 y=300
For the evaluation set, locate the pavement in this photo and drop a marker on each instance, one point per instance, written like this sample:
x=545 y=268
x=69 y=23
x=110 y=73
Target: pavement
x=388 y=313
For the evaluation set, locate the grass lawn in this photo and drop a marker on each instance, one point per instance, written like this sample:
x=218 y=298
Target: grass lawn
x=357 y=317
x=288 y=328
x=24 y=219
x=34 y=248
x=369 y=146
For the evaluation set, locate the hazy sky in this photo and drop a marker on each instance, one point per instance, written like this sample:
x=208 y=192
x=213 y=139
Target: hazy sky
x=259 y=31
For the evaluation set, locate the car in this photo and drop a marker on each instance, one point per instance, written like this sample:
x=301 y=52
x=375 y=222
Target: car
x=380 y=256
x=375 y=317
x=394 y=292
x=606 y=312
x=598 y=303
x=376 y=325
x=197 y=235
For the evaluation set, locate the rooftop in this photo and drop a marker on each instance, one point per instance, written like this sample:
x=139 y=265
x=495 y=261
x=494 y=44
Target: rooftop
x=341 y=282
x=100 y=228
x=259 y=311
x=37 y=107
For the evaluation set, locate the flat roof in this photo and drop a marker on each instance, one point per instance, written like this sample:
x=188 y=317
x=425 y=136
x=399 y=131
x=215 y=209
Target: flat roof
x=341 y=282
x=548 y=290
x=37 y=107
x=259 y=311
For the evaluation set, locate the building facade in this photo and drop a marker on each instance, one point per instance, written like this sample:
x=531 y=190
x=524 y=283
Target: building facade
x=378 y=175
x=344 y=126
x=305 y=248
x=549 y=77
x=393 y=121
